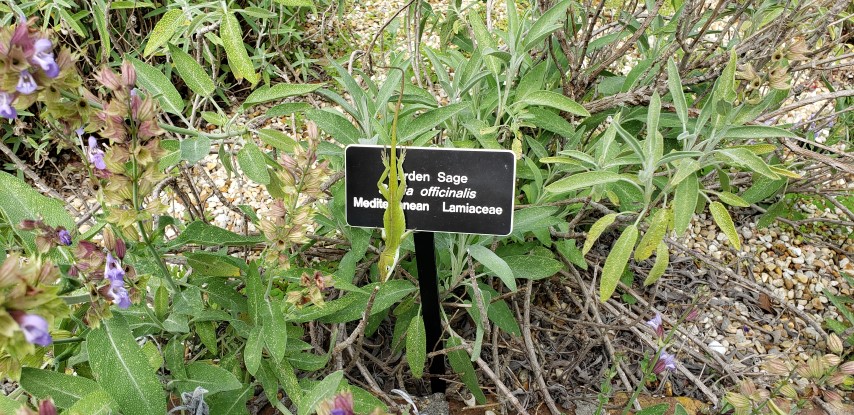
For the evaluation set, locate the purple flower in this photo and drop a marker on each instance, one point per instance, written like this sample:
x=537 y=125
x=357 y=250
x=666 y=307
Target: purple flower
x=35 y=328
x=96 y=155
x=666 y=361
x=26 y=84
x=44 y=57
x=64 y=237
x=6 y=108
x=656 y=325
x=79 y=131
x=113 y=270
x=119 y=294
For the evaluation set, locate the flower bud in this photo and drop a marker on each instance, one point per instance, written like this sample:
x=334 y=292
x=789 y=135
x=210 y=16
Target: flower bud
x=789 y=391
x=121 y=248
x=847 y=368
x=109 y=240
x=27 y=225
x=46 y=407
x=834 y=343
x=128 y=74
x=836 y=379
x=832 y=360
x=777 y=367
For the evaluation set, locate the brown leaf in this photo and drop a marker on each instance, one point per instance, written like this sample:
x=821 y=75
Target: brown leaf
x=765 y=303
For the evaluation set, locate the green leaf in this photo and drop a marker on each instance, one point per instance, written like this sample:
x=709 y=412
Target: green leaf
x=654 y=141
x=214 y=118
x=555 y=100
x=654 y=235
x=288 y=379
x=64 y=389
x=616 y=262
x=277 y=139
x=152 y=356
x=295 y=3
x=549 y=121
x=745 y=158
x=160 y=86
x=19 y=201
x=659 y=409
x=582 y=181
x=251 y=161
x=172 y=155
x=191 y=72
x=416 y=346
x=204 y=234
x=277 y=92
x=288 y=108
x=762 y=188
x=732 y=200
x=231 y=402
x=724 y=221
x=680 y=410
x=662 y=259
x=163 y=30
x=674 y=85
x=461 y=363
x=725 y=86
x=99 y=16
x=214 y=264
x=8 y=405
x=95 y=403
x=427 y=121
x=533 y=267
x=122 y=370
x=273 y=328
x=495 y=264
x=320 y=392
x=543 y=26
x=173 y=354
x=596 y=231
x=334 y=124
x=685 y=202
x=484 y=40
x=757 y=131
x=536 y=217
x=213 y=378
x=195 y=149
x=232 y=42
x=255 y=295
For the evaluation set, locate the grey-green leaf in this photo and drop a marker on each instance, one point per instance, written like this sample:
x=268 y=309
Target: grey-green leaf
x=238 y=58
x=163 y=30
x=201 y=233
x=533 y=267
x=277 y=92
x=495 y=264
x=582 y=180
x=122 y=370
x=213 y=378
x=191 y=72
x=685 y=202
x=555 y=100
x=428 y=120
x=64 y=389
x=277 y=139
x=252 y=350
x=251 y=161
x=745 y=158
x=160 y=86
x=95 y=403
x=319 y=392
x=546 y=24
x=195 y=149
x=616 y=262
x=674 y=85
x=596 y=231
x=416 y=346
x=231 y=402
x=757 y=131
x=724 y=221
x=334 y=124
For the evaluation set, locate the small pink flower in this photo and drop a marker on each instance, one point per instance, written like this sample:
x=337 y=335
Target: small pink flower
x=656 y=324
x=666 y=361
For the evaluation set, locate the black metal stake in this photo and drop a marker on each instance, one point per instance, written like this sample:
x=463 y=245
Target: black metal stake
x=425 y=258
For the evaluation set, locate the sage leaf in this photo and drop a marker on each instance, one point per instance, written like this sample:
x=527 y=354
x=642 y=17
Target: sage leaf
x=724 y=221
x=416 y=346
x=235 y=52
x=654 y=235
x=616 y=262
x=251 y=161
x=662 y=259
x=319 y=392
x=555 y=100
x=596 y=231
x=494 y=263
x=64 y=389
x=158 y=85
x=122 y=370
x=163 y=30
x=191 y=72
x=685 y=202
x=582 y=181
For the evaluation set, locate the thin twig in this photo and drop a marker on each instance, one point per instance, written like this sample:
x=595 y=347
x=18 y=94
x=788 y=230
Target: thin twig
x=532 y=352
